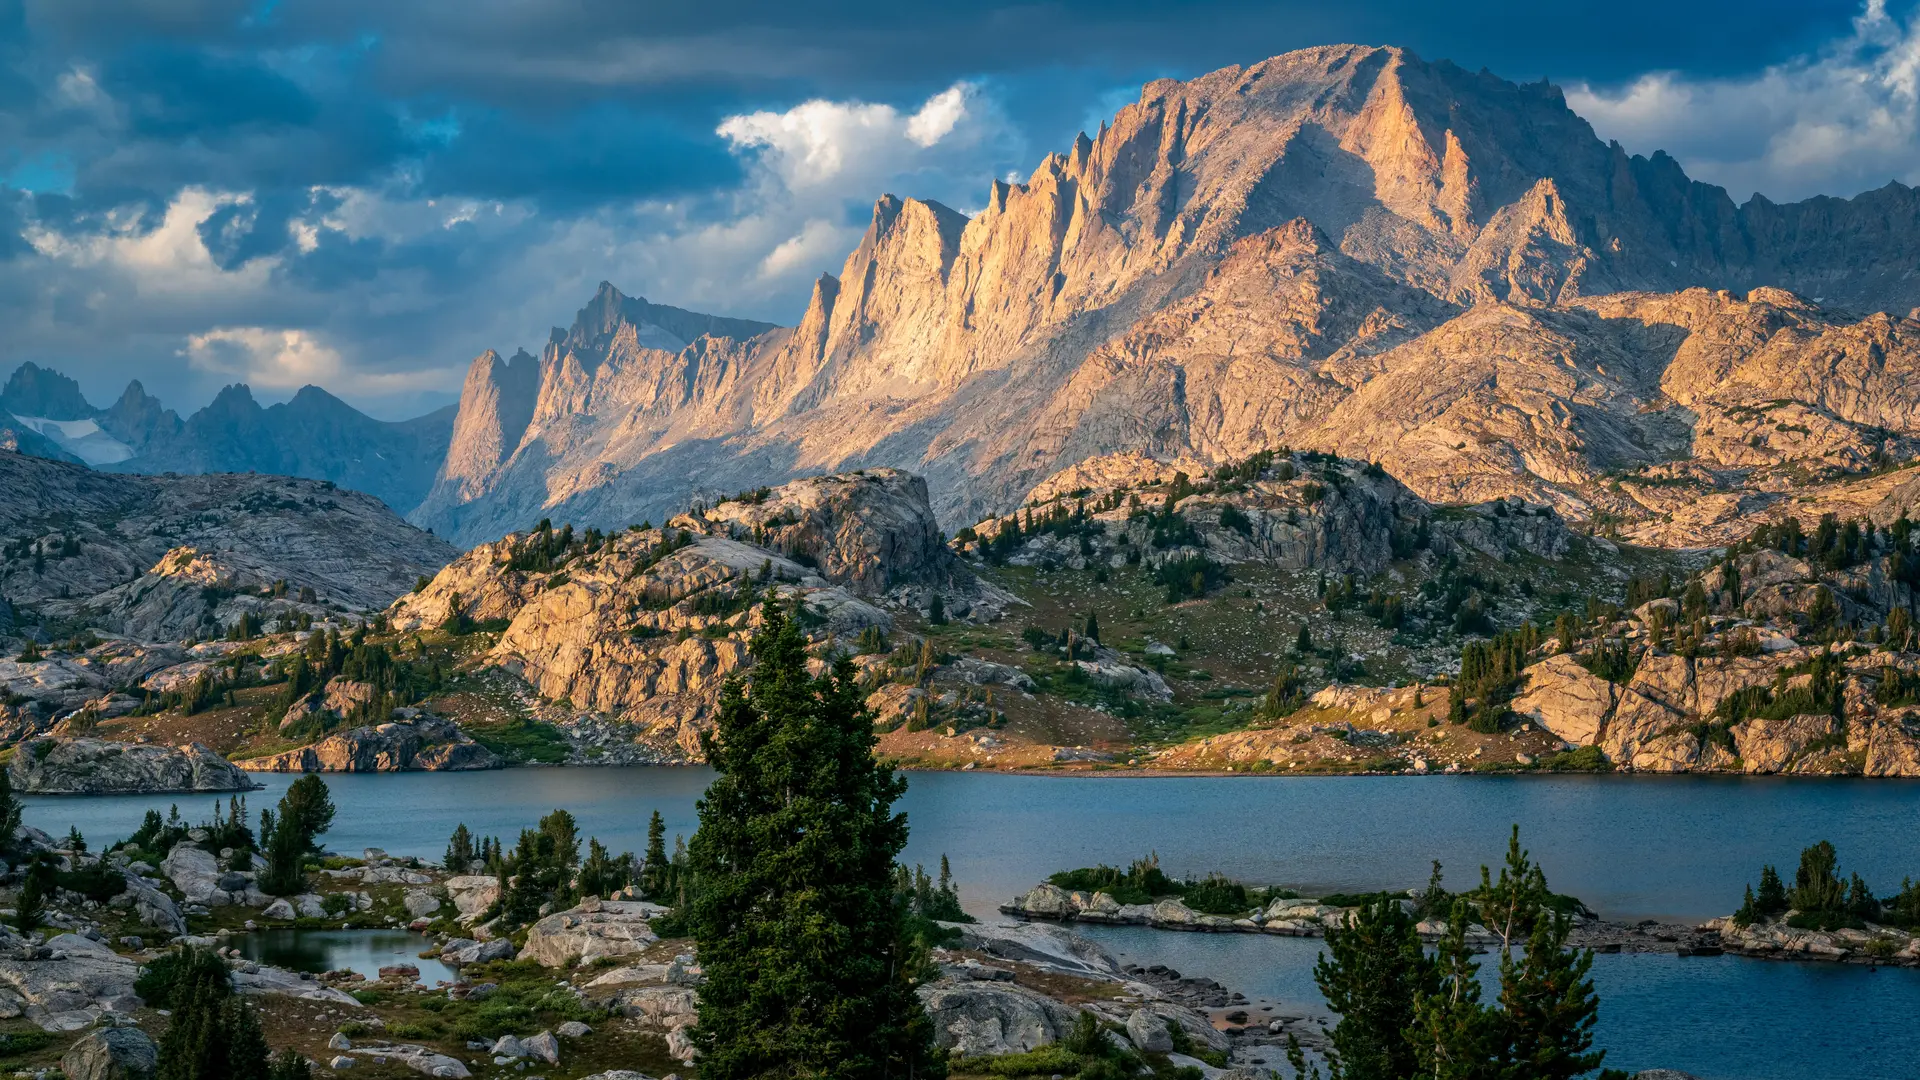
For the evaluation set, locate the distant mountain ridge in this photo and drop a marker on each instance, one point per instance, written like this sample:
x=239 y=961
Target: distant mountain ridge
x=1344 y=248
x=314 y=435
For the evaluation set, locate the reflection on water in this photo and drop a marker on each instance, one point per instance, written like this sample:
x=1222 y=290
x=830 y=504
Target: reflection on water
x=1631 y=846
x=363 y=951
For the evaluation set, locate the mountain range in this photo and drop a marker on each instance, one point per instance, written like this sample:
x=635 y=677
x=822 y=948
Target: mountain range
x=313 y=435
x=1347 y=249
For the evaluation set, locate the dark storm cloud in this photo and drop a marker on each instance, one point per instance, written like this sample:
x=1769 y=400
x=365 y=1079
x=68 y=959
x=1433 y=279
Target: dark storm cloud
x=410 y=182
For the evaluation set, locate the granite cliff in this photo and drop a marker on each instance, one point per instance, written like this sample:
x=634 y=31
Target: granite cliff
x=1347 y=249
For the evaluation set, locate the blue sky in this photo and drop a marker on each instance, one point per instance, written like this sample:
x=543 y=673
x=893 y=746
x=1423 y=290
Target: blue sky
x=366 y=194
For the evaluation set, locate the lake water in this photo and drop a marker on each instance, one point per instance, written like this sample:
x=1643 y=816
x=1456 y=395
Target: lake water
x=362 y=951
x=1676 y=848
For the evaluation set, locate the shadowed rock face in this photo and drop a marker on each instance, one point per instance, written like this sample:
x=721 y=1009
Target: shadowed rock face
x=166 y=557
x=98 y=767
x=1344 y=248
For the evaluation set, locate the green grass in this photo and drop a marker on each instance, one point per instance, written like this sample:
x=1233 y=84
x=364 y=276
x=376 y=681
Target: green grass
x=523 y=741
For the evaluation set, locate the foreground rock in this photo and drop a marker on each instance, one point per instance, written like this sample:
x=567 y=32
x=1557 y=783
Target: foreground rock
x=115 y=1053
x=61 y=766
x=595 y=930
x=67 y=984
x=421 y=744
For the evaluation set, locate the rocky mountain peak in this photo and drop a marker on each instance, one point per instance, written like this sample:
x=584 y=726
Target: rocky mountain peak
x=1349 y=248
x=42 y=392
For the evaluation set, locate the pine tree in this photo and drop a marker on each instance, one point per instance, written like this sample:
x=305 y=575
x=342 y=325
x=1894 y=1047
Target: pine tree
x=213 y=1032
x=601 y=874
x=1549 y=1005
x=31 y=905
x=75 y=841
x=809 y=967
x=1771 y=900
x=11 y=809
x=1093 y=627
x=306 y=811
x=459 y=850
x=1373 y=974
x=1456 y=1037
x=655 y=871
x=289 y=1065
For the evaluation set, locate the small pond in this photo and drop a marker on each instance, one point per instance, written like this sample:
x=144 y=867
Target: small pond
x=362 y=951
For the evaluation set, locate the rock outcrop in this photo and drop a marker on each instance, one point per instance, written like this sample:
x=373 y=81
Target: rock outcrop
x=115 y=1053
x=60 y=766
x=645 y=625
x=594 y=930
x=161 y=558
x=421 y=744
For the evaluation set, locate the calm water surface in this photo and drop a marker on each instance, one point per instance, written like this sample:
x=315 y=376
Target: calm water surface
x=363 y=951
x=1632 y=847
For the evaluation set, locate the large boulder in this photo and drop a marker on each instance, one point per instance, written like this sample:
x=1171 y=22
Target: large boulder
x=196 y=872
x=154 y=908
x=473 y=894
x=594 y=930
x=115 y=1053
x=64 y=766
x=69 y=984
x=976 y=1018
x=1566 y=699
x=462 y=951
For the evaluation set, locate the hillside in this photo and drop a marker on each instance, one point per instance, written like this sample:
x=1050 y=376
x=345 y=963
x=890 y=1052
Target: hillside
x=159 y=559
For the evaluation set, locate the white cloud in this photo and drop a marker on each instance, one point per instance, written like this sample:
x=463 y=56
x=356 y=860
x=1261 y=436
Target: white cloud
x=276 y=359
x=281 y=359
x=1841 y=120
x=819 y=142
x=938 y=117
x=382 y=295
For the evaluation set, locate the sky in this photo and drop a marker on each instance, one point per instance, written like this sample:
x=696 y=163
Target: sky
x=365 y=194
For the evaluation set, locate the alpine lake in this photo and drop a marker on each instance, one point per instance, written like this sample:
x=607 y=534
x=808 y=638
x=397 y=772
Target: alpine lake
x=1632 y=847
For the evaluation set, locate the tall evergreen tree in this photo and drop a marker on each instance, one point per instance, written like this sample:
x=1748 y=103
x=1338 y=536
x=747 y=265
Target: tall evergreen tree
x=212 y=1032
x=1372 y=975
x=1457 y=1037
x=809 y=967
x=654 y=872
x=459 y=850
x=30 y=907
x=10 y=814
x=1549 y=1005
x=306 y=811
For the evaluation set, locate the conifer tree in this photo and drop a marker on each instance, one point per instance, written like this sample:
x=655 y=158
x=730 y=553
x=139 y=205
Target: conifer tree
x=1456 y=1037
x=11 y=809
x=459 y=850
x=1548 y=1005
x=212 y=1032
x=809 y=967
x=31 y=905
x=654 y=871
x=1373 y=974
